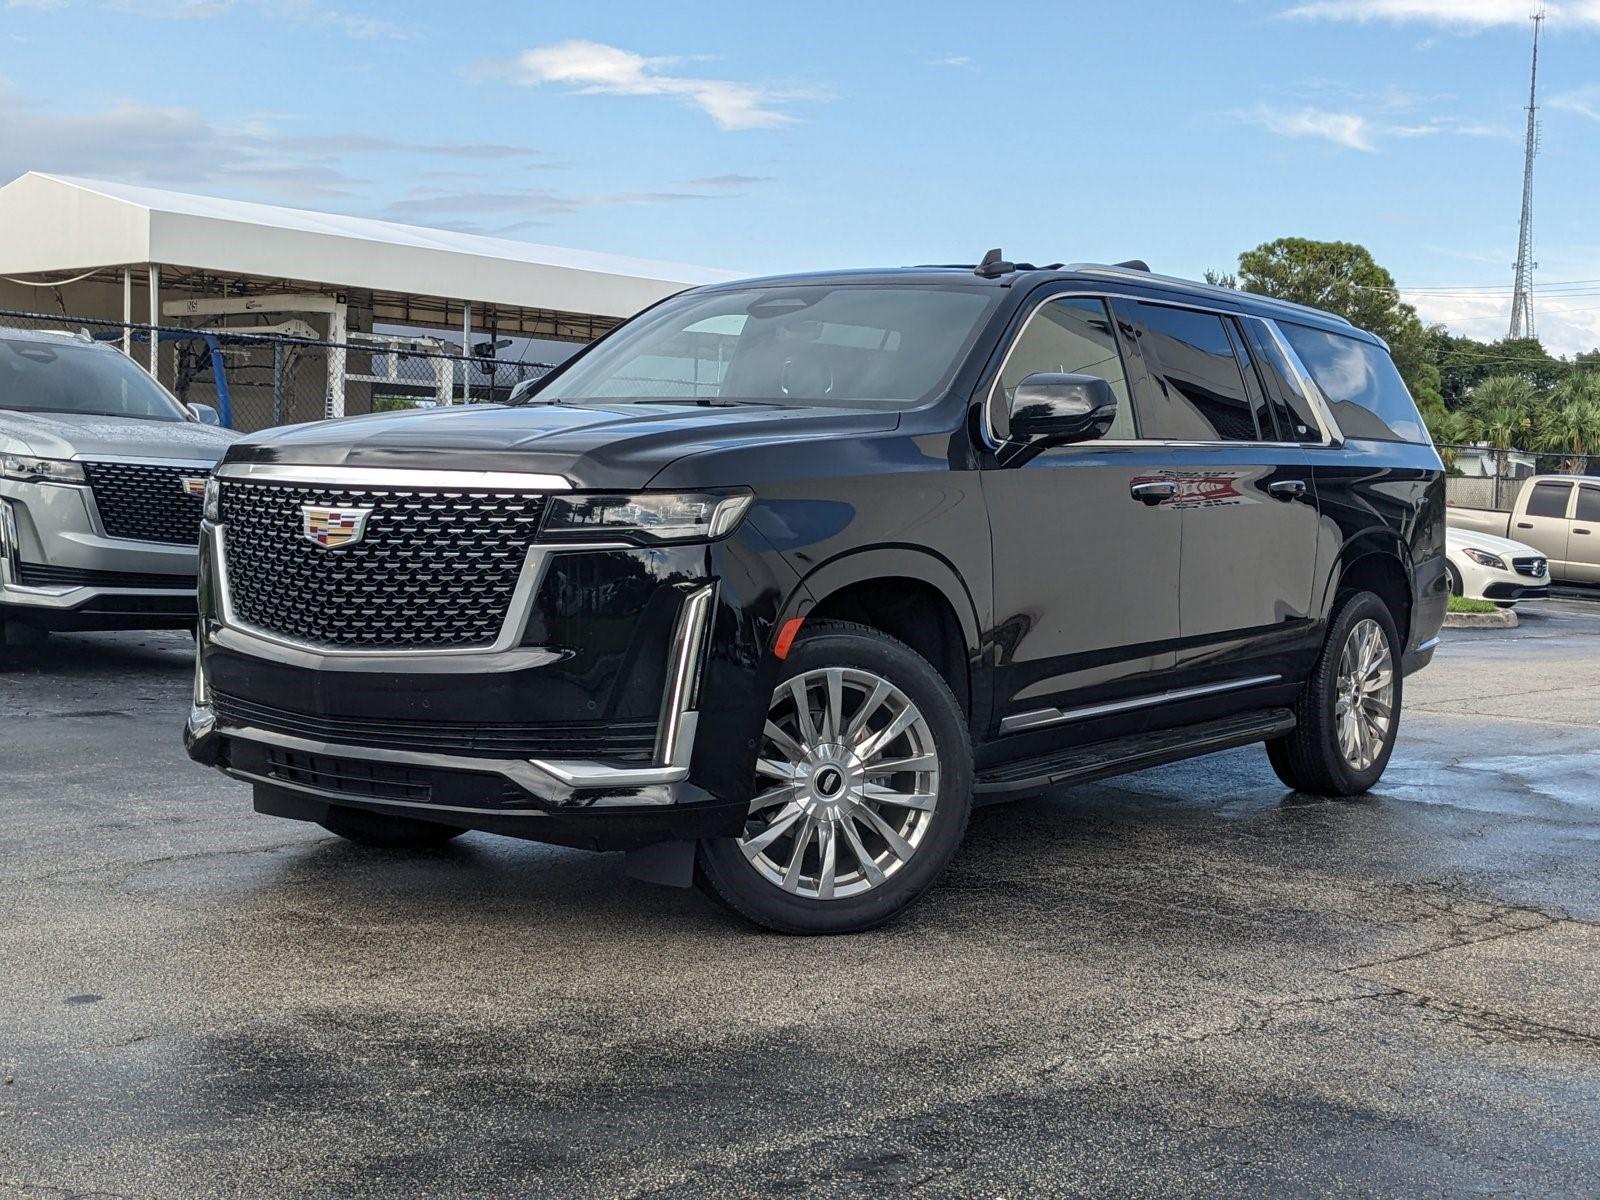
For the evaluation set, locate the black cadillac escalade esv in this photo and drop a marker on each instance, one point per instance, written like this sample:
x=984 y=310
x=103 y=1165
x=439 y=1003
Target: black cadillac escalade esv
x=772 y=584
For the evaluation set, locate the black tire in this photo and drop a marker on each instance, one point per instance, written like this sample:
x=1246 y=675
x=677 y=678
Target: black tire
x=1309 y=758
x=1457 y=588
x=729 y=875
x=385 y=832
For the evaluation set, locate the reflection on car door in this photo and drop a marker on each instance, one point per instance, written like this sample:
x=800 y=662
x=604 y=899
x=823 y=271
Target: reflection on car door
x=1085 y=573
x=1247 y=498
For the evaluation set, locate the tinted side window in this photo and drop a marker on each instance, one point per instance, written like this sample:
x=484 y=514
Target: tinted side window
x=1549 y=499
x=1071 y=335
x=1200 y=390
x=1589 y=504
x=1297 y=418
x=1360 y=383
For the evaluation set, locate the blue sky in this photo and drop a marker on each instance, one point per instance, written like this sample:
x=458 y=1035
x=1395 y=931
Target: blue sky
x=767 y=137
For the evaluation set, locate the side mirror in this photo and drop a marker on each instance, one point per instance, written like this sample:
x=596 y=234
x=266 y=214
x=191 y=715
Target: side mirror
x=205 y=414
x=1062 y=408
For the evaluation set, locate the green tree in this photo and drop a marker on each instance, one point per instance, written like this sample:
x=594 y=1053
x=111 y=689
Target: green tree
x=1570 y=423
x=1450 y=429
x=1501 y=413
x=1343 y=278
x=1465 y=362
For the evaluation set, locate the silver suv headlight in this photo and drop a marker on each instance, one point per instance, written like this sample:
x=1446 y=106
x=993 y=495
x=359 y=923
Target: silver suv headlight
x=41 y=470
x=645 y=517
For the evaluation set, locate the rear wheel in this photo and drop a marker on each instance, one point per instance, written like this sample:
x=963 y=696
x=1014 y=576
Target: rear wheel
x=1349 y=710
x=863 y=788
x=385 y=832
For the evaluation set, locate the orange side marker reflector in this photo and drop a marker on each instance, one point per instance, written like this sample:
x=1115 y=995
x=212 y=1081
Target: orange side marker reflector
x=786 y=636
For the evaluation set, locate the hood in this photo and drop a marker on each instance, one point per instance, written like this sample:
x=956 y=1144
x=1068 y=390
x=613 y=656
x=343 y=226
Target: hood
x=595 y=446
x=89 y=435
x=1457 y=539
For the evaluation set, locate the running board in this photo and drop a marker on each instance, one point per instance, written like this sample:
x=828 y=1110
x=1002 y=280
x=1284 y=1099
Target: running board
x=1083 y=763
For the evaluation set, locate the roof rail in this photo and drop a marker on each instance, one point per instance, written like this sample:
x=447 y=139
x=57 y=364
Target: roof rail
x=1125 y=271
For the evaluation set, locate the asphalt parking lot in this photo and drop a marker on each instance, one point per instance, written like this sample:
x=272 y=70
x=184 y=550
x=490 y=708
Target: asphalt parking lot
x=1181 y=982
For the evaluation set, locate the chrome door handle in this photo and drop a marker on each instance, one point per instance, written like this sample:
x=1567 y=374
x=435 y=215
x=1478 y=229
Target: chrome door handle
x=1153 y=492
x=1287 y=489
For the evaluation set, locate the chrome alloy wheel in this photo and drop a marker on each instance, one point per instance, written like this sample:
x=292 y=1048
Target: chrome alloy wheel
x=851 y=778
x=1363 y=706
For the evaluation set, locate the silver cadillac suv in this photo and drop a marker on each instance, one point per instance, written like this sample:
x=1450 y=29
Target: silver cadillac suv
x=102 y=478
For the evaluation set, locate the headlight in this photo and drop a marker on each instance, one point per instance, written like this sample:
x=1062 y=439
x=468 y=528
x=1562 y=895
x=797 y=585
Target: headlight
x=647 y=517
x=47 y=470
x=212 y=510
x=1484 y=559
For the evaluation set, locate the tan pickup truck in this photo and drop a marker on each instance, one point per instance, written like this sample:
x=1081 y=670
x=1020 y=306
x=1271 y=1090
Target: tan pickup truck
x=1558 y=515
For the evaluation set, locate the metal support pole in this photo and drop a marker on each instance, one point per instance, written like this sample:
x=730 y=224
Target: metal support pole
x=279 y=416
x=127 y=311
x=155 y=319
x=466 y=352
x=338 y=325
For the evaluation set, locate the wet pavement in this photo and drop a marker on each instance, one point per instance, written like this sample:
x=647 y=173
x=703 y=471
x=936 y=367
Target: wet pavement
x=1181 y=982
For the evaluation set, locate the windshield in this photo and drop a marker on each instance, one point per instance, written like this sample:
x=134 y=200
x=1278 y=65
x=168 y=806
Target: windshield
x=73 y=378
x=831 y=344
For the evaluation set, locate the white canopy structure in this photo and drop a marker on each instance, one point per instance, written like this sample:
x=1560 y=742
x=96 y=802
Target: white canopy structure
x=93 y=249
x=55 y=223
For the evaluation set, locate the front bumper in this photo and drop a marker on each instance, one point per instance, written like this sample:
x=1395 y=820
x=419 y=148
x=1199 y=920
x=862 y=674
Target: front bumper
x=1536 y=589
x=58 y=569
x=612 y=717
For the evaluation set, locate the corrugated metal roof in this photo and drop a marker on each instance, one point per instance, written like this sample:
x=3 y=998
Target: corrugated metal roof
x=62 y=223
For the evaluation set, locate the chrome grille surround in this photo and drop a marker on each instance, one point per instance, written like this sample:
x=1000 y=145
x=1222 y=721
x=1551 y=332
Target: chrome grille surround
x=146 y=502
x=438 y=568
x=1530 y=566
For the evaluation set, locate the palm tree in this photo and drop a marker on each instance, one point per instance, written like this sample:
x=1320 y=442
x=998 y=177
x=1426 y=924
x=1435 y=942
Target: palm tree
x=1570 y=423
x=1451 y=430
x=1501 y=414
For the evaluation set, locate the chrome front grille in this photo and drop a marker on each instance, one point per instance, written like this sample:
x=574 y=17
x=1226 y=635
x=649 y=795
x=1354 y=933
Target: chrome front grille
x=435 y=568
x=146 y=502
x=1529 y=566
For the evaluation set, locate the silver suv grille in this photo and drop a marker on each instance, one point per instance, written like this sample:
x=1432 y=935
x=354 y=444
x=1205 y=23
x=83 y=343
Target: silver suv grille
x=146 y=502
x=435 y=567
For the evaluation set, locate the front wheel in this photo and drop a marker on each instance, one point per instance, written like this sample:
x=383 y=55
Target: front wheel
x=863 y=788
x=1349 y=710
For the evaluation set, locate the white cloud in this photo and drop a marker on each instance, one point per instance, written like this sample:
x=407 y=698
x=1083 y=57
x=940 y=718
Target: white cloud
x=1584 y=101
x=1349 y=130
x=592 y=68
x=1471 y=14
x=1566 y=327
x=175 y=146
x=1358 y=131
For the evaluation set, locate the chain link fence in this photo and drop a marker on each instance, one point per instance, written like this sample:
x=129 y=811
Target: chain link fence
x=1484 y=477
x=257 y=380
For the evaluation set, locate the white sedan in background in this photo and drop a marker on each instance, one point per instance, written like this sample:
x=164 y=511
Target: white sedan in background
x=1485 y=567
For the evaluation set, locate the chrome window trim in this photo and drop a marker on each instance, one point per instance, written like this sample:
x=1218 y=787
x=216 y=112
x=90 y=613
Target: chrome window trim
x=1039 y=718
x=529 y=577
x=1329 y=428
x=396 y=477
x=1332 y=435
